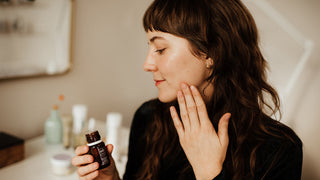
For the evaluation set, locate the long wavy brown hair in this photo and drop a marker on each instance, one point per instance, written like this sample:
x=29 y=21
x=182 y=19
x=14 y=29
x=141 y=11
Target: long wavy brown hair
x=225 y=31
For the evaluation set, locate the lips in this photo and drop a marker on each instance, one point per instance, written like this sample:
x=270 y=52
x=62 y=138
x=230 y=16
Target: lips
x=158 y=82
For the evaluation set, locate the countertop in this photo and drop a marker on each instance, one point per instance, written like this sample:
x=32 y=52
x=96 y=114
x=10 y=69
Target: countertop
x=36 y=164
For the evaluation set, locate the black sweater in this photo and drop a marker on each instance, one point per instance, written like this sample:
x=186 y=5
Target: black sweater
x=287 y=167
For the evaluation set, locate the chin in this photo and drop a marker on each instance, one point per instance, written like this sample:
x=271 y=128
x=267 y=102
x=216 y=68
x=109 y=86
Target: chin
x=167 y=98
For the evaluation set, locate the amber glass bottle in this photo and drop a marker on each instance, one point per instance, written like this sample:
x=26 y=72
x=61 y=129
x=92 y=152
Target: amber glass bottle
x=98 y=149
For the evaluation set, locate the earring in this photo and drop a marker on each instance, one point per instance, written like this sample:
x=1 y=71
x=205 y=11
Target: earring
x=209 y=64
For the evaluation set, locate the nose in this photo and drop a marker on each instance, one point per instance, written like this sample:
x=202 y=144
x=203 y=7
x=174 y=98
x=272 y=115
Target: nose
x=149 y=64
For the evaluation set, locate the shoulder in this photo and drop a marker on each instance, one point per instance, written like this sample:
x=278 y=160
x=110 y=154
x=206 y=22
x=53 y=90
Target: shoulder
x=146 y=109
x=144 y=114
x=282 y=134
x=280 y=151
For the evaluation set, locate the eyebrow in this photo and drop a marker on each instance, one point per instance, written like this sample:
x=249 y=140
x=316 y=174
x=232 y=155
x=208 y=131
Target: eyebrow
x=155 y=38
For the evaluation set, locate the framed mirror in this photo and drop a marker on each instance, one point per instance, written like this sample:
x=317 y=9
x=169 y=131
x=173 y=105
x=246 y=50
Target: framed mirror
x=35 y=37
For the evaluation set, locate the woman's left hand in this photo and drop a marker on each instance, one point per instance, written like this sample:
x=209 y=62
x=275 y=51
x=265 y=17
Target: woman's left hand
x=204 y=147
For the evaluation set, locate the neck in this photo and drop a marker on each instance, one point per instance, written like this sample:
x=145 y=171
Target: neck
x=206 y=92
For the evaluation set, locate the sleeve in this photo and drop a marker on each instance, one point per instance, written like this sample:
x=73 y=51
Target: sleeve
x=136 y=143
x=287 y=165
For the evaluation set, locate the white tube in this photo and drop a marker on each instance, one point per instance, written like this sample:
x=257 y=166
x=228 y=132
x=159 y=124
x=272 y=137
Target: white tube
x=113 y=124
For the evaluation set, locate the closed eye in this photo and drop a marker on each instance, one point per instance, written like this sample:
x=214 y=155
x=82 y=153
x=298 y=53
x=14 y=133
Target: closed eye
x=160 y=51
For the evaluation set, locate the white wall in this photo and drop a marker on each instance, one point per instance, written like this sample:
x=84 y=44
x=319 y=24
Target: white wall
x=109 y=50
x=284 y=49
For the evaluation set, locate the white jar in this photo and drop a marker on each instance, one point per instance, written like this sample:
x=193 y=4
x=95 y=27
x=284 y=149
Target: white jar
x=61 y=164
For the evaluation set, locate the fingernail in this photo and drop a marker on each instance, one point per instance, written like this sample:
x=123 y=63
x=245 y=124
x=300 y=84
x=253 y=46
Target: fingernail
x=192 y=88
x=172 y=109
x=96 y=165
x=90 y=159
x=228 y=116
x=184 y=86
x=179 y=94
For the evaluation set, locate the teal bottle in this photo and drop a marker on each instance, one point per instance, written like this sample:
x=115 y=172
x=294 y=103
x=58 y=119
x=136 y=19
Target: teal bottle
x=53 y=127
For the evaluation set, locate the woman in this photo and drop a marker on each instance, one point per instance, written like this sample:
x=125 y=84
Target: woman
x=211 y=119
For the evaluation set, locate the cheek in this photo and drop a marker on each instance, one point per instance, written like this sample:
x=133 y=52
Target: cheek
x=192 y=73
x=174 y=71
x=183 y=67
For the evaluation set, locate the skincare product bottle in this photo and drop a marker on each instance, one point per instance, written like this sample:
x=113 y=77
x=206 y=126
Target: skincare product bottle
x=79 y=113
x=113 y=125
x=67 y=130
x=91 y=124
x=98 y=149
x=53 y=127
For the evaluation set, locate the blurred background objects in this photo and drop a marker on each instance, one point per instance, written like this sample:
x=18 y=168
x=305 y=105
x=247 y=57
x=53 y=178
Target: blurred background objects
x=109 y=47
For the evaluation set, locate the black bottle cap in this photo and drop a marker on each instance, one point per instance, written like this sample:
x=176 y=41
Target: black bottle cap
x=93 y=137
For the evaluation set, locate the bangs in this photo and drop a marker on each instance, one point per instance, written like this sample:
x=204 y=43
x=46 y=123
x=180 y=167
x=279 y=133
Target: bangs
x=188 y=19
x=178 y=17
x=159 y=17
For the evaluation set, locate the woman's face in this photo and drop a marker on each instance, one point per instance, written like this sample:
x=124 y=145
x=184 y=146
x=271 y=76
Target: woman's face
x=171 y=62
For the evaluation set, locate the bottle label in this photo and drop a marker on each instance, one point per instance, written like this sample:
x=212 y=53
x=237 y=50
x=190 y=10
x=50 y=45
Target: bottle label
x=104 y=156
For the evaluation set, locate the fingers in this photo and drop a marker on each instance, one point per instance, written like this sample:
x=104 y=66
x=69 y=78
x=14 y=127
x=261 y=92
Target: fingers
x=193 y=109
x=82 y=160
x=110 y=148
x=183 y=111
x=86 y=170
x=201 y=106
x=223 y=130
x=191 y=106
x=80 y=150
x=92 y=175
x=176 y=121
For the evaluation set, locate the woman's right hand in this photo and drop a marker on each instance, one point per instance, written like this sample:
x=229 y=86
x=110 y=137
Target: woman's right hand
x=87 y=169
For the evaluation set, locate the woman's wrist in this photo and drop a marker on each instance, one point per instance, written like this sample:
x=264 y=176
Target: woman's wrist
x=116 y=176
x=109 y=174
x=208 y=175
x=113 y=177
